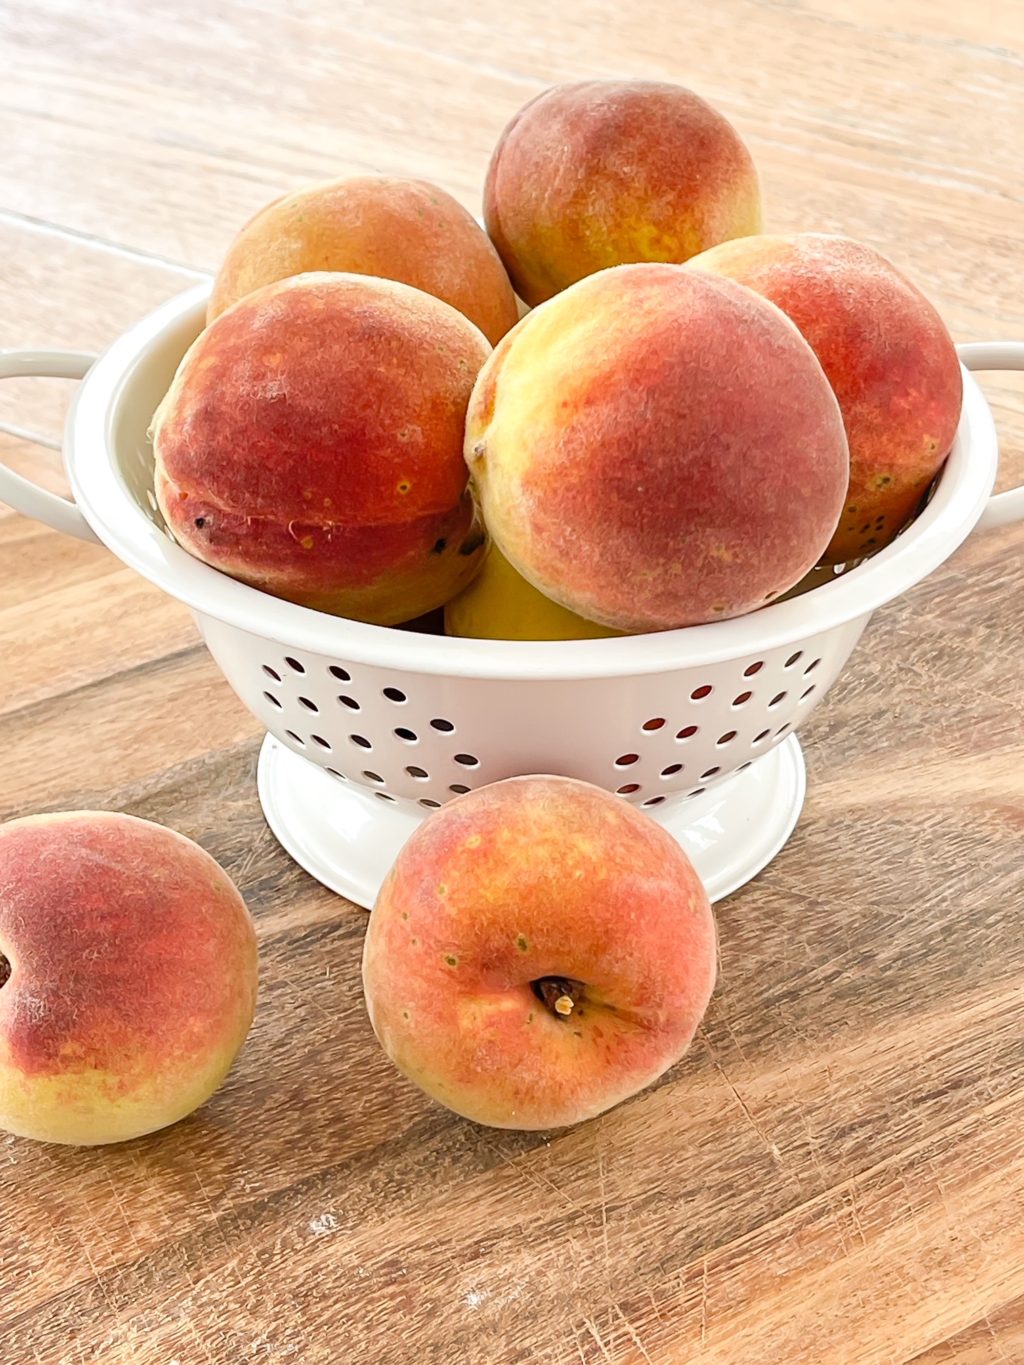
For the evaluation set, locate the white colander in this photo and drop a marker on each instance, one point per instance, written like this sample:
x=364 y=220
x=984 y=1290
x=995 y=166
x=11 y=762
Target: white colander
x=371 y=728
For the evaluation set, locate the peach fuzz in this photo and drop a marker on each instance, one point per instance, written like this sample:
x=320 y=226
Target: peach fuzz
x=500 y=604
x=887 y=355
x=604 y=173
x=657 y=448
x=405 y=230
x=540 y=951
x=311 y=446
x=127 y=976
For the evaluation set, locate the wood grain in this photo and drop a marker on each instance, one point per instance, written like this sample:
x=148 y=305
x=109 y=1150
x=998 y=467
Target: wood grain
x=835 y=1173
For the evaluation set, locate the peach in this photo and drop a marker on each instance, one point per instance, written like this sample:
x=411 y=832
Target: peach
x=311 y=446
x=500 y=604
x=405 y=230
x=604 y=173
x=539 y=952
x=887 y=355
x=652 y=452
x=127 y=976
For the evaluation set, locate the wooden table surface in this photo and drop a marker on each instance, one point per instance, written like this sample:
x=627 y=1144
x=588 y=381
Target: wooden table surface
x=836 y=1171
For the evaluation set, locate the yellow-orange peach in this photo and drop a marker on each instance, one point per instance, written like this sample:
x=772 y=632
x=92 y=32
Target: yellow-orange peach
x=887 y=355
x=405 y=230
x=540 y=951
x=500 y=604
x=657 y=448
x=311 y=446
x=604 y=173
x=127 y=976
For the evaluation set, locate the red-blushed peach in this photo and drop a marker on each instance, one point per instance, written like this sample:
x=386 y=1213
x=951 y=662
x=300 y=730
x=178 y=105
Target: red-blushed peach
x=604 y=173
x=405 y=230
x=127 y=976
x=500 y=604
x=540 y=951
x=887 y=355
x=311 y=446
x=657 y=448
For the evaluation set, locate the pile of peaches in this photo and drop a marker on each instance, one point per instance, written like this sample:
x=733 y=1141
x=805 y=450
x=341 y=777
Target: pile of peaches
x=620 y=409
x=688 y=418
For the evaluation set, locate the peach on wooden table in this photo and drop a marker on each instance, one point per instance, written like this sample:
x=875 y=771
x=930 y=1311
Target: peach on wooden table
x=127 y=976
x=602 y=173
x=540 y=951
x=311 y=446
x=657 y=448
x=888 y=356
x=405 y=230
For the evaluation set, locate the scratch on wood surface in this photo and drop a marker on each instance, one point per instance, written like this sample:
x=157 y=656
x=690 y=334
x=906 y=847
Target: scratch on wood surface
x=704 y=1302
x=97 y=1277
x=535 y=1178
x=121 y=1210
x=604 y=1217
x=634 y=1335
x=772 y=1147
x=597 y=1337
x=855 y=1214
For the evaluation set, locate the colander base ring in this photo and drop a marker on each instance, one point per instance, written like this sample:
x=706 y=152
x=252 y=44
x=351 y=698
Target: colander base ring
x=347 y=838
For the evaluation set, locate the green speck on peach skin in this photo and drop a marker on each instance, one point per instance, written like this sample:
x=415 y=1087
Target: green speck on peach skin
x=521 y=943
x=451 y=959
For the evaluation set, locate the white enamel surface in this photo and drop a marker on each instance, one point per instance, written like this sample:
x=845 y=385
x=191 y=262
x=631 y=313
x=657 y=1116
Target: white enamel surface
x=18 y=492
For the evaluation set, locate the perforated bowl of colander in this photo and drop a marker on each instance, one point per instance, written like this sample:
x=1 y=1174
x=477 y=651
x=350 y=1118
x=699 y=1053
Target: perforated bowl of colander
x=369 y=728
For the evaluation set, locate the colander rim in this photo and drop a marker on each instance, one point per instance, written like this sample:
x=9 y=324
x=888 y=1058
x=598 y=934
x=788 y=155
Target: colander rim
x=961 y=492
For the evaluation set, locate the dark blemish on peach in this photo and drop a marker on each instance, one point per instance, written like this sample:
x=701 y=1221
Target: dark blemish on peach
x=521 y=943
x=200 y=522
x=472 y=543
x=451 y=959
x=5 y=971
x=404 y=486
x=439 y=546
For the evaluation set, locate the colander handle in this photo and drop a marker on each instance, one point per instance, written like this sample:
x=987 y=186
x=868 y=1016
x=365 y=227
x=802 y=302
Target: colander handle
x=1007 y=507
x=60 y=514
